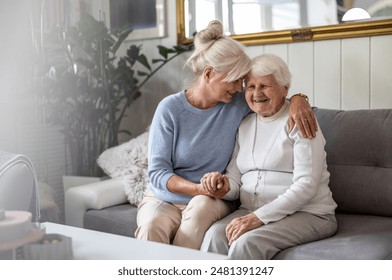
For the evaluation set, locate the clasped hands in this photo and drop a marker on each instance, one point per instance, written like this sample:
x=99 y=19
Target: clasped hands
x=215 y=184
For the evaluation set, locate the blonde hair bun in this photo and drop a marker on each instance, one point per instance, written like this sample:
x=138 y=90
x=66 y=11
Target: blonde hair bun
x=222 y=53
x=206 y=37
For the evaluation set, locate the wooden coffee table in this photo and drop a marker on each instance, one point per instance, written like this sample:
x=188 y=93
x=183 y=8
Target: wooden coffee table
x=95 y=245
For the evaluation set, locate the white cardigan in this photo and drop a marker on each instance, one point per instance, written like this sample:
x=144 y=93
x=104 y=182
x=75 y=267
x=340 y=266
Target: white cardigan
x=276 y=173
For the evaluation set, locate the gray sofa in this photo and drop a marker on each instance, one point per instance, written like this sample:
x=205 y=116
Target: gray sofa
x=359 y=156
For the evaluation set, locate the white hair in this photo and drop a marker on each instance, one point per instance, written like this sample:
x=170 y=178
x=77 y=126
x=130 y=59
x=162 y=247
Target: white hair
x=267 y=64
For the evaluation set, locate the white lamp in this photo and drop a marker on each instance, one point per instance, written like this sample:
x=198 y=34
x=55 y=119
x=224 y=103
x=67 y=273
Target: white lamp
x=355 y=14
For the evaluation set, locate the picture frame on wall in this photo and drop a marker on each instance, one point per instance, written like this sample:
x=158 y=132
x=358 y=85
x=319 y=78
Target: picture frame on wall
x=147 y=18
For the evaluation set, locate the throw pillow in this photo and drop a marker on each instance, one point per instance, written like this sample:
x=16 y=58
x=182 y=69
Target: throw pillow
x=128 y=161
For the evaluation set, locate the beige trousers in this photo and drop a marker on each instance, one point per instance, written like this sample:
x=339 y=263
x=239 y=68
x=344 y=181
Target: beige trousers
x=178 y=224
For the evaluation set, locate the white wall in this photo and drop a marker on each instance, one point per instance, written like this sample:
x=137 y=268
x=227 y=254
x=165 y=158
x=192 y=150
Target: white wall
x=340 y=74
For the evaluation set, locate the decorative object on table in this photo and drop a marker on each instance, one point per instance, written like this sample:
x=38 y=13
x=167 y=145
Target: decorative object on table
x=50 y=247
x=89 y=89
x=20 y=197
x=17 y=229
x=18 y=184
x=128 y=161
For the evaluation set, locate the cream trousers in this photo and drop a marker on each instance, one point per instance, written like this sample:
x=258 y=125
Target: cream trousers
x=178 y=224
x=265 y=242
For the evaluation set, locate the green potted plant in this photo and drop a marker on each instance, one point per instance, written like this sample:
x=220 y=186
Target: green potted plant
x=88 y=91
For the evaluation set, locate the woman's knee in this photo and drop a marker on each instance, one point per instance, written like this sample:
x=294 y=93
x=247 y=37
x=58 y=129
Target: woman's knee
x=156 y=229
x=206 y=207
x=157 y=222
x=201 y=202
x=251 y=247
x=329 y=228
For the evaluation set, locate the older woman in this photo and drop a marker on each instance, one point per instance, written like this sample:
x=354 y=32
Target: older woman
x=193 y=132
x=280 y=176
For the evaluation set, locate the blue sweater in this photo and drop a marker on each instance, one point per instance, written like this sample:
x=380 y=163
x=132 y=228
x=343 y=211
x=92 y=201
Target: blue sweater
x=190 y=142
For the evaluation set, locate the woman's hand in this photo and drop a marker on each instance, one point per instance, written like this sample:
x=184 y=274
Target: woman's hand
x=215 y=184
x=301 y=113
x=239 y=226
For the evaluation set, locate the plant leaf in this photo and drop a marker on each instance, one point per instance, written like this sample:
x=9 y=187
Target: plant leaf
x=156 y=60
x=141 y=73
x=143 y=60
x=122 y=36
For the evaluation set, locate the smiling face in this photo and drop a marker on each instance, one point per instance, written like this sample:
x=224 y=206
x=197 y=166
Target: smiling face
x=264 y=95
x=220 y=90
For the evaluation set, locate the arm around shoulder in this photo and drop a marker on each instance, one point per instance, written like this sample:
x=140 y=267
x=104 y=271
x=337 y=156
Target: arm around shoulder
x=302 y=115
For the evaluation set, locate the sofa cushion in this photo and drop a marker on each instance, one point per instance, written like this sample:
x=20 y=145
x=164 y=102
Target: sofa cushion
x=359 y=237
x=118 y=161
x=359 y=157
x=119 y=219
x=128 y=161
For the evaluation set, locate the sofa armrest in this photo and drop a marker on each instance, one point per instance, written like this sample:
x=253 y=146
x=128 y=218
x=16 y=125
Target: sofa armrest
x=96 y=196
